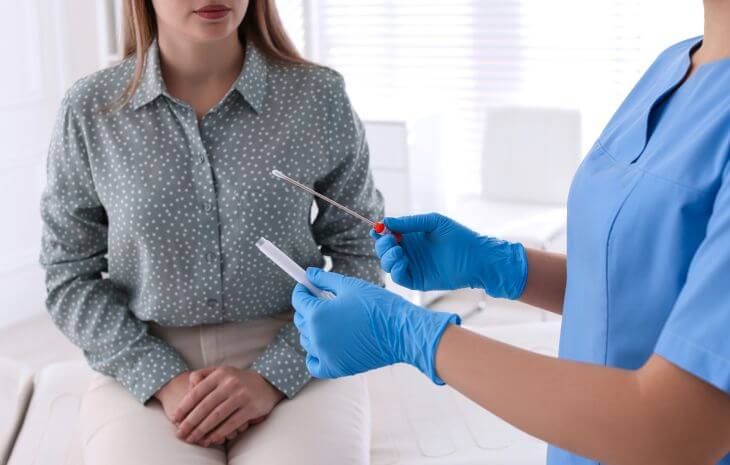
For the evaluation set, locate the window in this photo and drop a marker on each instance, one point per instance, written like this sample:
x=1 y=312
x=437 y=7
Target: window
x=410 y=57
x=292 y=13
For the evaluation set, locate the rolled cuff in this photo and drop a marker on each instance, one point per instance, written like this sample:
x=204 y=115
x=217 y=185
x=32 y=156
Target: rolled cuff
x=284 y=367
x=146 y=367
x=448 y=319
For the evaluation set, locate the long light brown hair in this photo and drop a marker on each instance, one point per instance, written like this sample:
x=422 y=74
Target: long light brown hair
x=261 y=25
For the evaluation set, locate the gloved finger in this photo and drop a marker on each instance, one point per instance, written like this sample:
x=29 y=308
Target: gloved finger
x=314 y=366
x=299 y=321
x=390 y=258
x=326 y=280
x=385 y=243
x=303 y=301
x=375 y=235
x=306 y=343
x=414 y=223
x=401 y=274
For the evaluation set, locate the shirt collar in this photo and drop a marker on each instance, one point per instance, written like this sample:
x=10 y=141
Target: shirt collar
x=251 y=82
x=151 y=84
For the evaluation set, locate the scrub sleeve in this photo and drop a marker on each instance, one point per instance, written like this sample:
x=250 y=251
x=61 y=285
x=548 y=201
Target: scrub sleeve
x=696 y=337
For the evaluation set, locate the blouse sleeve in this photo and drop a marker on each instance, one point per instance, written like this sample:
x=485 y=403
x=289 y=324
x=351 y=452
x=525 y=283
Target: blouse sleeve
x=88 y=308
x=345 y=239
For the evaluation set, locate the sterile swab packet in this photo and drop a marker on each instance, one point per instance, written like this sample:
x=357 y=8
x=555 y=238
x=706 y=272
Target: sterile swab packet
x=290 y=267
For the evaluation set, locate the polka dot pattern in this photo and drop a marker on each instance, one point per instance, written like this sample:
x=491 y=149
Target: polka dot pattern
x=150 y=215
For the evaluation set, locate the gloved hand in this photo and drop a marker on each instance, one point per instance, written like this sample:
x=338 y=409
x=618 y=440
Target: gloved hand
x=364 y=327
x=437 y=253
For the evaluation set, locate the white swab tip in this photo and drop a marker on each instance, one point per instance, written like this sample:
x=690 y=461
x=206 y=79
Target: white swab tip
x=277 y=173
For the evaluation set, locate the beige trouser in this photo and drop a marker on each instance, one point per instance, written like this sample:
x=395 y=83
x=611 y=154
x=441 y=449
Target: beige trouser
x=328 y=422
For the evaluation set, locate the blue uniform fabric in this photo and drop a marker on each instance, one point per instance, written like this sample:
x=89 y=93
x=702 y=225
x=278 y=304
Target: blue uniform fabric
x=649 y=230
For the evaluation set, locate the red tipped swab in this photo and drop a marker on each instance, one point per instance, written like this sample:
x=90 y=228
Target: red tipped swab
x=379 y=227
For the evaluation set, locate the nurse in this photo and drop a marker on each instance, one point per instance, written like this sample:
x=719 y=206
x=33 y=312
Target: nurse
x=644 y=370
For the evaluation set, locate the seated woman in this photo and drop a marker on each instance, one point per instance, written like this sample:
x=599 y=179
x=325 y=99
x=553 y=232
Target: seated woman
x=158 y=174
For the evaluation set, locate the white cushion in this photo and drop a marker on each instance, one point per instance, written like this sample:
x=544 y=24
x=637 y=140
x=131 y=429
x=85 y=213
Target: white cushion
x=417 y=423
x=16 y=385
x=49 y=435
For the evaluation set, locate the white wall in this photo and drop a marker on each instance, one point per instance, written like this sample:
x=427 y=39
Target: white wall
x=46 y=45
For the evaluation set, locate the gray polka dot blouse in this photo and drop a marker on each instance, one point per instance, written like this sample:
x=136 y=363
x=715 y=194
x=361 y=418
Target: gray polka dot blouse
x=150 y=215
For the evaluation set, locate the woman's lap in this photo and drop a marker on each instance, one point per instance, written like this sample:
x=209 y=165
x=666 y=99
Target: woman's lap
x=116 y=429
x=328 y=422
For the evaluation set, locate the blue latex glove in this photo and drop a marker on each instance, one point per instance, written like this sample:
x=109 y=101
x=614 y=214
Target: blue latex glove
x=364 y=327
x=437 y=253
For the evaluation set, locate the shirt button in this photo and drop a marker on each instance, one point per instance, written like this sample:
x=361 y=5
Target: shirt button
x=211 y=303
x=208 y=206
x=210 y=257
x=201 y=158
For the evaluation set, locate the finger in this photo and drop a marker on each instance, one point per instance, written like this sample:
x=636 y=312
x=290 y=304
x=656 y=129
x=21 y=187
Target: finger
x=306 y=343
x=194 y=396
x=231 y=425
x=390 y=258
x=384 y=244
x=375 y=235
x=303 y=301
x=325 y=280
x=215 y=418
x=299 y=321
x=318 y=369
x=199 y=375
x=401 y=274
x=256 y=421
x=312 y=365
x=414 y=223
x=201 y=410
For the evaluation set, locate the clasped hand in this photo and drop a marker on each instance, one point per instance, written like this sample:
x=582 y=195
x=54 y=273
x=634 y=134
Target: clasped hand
x=215 y=404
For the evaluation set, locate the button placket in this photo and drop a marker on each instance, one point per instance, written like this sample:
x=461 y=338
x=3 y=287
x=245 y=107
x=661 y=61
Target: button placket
x=205 y=187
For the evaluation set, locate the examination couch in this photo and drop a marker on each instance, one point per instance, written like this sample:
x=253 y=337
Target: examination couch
x=413 y=421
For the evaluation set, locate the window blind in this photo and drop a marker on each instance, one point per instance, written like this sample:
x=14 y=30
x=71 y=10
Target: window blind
x=293 y=16
x=404 y=57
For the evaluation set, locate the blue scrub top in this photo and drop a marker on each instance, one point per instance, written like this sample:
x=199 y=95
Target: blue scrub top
x=649 y=230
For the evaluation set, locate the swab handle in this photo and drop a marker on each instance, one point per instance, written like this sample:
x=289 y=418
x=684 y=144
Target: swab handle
x=290 y=267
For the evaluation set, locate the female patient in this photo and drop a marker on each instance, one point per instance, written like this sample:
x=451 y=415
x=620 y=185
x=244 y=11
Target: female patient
x=158 y=174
